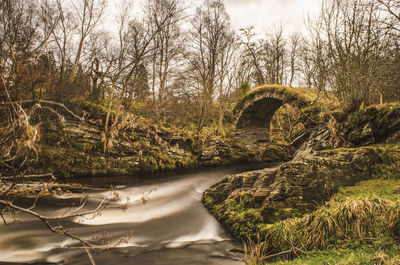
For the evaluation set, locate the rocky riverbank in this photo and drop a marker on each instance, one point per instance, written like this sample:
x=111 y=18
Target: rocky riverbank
x=300 y=206
x=278 y=205
x=70 y=148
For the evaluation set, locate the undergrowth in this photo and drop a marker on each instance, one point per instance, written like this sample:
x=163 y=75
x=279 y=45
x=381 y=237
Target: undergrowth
x=359 y=225
x=365 y=255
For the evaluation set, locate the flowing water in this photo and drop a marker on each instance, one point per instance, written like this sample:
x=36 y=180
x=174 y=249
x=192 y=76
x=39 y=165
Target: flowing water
x=173 y=227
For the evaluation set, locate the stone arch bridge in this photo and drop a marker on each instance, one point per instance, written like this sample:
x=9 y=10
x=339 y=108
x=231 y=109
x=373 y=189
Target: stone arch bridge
x=253 y=113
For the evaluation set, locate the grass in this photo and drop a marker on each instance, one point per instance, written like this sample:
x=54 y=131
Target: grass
x=371 y=189
x=359 y=225
x=389 y=255
x=352 y=228
x=254 y=253
x=353 y=216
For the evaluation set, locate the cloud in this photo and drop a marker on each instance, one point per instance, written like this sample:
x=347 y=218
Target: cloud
x=267 y=14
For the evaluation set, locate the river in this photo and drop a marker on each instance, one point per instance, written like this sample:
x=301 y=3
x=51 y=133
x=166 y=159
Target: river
x=172 y=227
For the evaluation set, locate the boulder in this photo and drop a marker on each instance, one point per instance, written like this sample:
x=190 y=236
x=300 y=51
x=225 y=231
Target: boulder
x=299 y=186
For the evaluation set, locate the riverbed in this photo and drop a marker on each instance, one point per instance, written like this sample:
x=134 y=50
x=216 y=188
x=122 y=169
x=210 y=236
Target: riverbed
x=171 y=226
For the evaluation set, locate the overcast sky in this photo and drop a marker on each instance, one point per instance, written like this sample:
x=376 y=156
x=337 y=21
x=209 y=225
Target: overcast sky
x=264 y=14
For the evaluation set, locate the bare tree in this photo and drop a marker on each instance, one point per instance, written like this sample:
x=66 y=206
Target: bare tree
x=393 y=8
x=62 y=37
x=314 y=57
x=210 y=28
x=226 y=78
x=25 y=28
x=167 y=43
x=131 y=58
x=88 y=13
x=253 y=50
x=294 y=57
x=275 y=57
x=354 y=38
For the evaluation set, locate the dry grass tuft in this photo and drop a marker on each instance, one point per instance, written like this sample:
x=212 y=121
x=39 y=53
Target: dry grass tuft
x=342 y=221
x=254 y=252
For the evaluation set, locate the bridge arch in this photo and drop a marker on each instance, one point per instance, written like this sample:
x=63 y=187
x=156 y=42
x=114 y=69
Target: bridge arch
x=255 y=110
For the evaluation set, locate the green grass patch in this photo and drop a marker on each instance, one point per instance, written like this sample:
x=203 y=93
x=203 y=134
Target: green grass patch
x=371 y=189
x=363 y=255
x=368 y=213
x=359 y=225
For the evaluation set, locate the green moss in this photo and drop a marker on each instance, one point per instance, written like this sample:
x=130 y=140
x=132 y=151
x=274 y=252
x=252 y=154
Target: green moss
x=369 y=210
x=310 y=115
x=241 y=219
x=362 y=255
x=51 y=137
x=302 y=96
x=338 y=115
x=208 y=201
x=133 y=170
x=387 y=114
x=371 y=189
x=356 y=118
x=96 y=110
x=388 y=166
x=385 y=159
x=277 y=151
x=286 y=213
x=381 y=119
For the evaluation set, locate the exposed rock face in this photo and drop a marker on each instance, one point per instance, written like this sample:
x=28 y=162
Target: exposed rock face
x=78 y=149
x=374 y=124
x=73 y=148
x=362 y=146
x=295 y=187
x=243 y=147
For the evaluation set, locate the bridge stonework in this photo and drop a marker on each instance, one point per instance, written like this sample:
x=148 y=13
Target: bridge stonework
x=254 y=112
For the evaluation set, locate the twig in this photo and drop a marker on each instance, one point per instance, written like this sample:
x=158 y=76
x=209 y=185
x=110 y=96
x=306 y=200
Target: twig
x=60 y=230
x=14 y=182
x=104 y=203
x=278 y=254
x=59 y=116
x=46 y=220
x=47 y=102
x=2 y=217
x=89 y=255
x=294 y=248
x=39 y=176
x=34 y=203
x=8 y=95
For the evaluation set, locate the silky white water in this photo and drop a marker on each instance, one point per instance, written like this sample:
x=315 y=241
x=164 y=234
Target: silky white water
x=172 y=227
